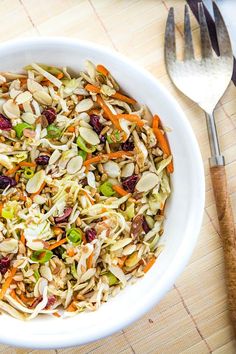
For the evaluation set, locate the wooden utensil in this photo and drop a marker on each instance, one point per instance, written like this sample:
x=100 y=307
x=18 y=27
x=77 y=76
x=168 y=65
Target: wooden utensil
x=205 y=80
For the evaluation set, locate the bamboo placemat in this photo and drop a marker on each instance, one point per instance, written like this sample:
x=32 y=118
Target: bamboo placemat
x=192 y=318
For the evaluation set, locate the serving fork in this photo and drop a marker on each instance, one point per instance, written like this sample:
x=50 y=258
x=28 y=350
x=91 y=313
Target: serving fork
x=204 y=80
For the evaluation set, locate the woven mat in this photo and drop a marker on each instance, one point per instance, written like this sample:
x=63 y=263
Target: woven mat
x=192 y=318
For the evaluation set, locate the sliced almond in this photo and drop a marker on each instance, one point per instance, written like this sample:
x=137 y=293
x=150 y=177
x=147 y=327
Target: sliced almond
x=148 y=181
x=9 y=245
x=89 y=136
x=13 y=93
x=84 y=105
x=34 y=86
x=11 y=109
x=38 y=199
x=132 y=260
x=34 y=183
x=42 y=97
x=128 y=250
x=127 y=170
x=107 y=90
x=91 y=179
x=28 y=117
x=87 y=275
x=5 y=161
x=54 y=157
x=2 y=80
x=112 y=169
x=23 y=97
x=121 y=243
x=27 y=107
x=35 y=245
x=74 y=165
x=45 y=272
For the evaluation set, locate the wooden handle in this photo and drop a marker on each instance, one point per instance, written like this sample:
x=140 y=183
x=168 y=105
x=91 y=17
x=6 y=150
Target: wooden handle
x=227 y=231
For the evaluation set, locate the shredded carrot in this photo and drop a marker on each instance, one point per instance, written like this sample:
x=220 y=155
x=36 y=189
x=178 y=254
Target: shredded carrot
x=56 y=314
x=14 y=295
x=93 y=111
x=92 y=88
x=71 y=307
x=12 y=170
x=57 y=244
x=25 y=299
x=27 y=164
x=119 y=190
x=22 y=197
x=22 y=237
x=162 y=140
x=155 y=122
x=102 y=69
x=90 y=261
x=1 y=206
x=70 y=252
x=17 y=177
x=84 y=238
x=121 y=261
x=131 y=118
x=123 y=98
x=71 y=129
x=149 y=264
x=108 y=112
x=89 y=156
x=7 y=283
x=103 y=210
x=39 y=191
x=60 y=76
x=111 y=155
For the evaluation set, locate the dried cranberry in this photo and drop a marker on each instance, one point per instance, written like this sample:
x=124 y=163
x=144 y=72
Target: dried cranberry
x=64 y=217
x=145 y=226
x=5 y=123
x=6 y=181
x=84 y=181
x=42 y=160
x=129 y=183
x=4 y=265
x=90 y=234
x=51 y=301
x=102 y=139
x=127 y=146
x=137 y=226
x=94 y=121
x=50 y=114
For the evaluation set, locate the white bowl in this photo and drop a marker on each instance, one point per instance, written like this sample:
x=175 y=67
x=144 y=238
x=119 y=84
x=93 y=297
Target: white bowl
x=183 y=215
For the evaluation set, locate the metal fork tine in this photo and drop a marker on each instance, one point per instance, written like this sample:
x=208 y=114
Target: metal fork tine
x=188 y=47
x=222 y=33
x=170 y=45
x=205 y=38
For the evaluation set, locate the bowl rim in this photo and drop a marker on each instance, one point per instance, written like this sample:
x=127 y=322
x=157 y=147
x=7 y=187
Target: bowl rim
x=181 y=258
